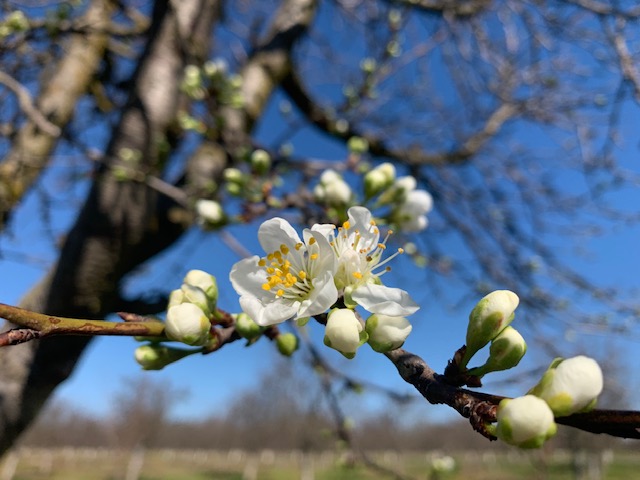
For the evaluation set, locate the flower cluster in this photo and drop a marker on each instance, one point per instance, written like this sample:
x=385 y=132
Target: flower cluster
x=302 y=277
x=569 y=385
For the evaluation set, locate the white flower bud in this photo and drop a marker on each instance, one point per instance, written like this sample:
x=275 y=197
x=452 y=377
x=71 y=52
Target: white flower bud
x=490 y=316
x=570 y=386
x=338 y=193
x=526 y=422
x=176 y=297
x=344 y=332
x=196 y=296
x=378 y=179
x=233 y=175
x=387 y=333
x=209 y=212
x=156 y=357
x=412 y=211
x=205 y=281
x=187 y=323
x=505 y=352
x=329 y=176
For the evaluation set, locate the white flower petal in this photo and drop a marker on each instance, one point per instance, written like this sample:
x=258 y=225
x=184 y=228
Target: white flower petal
x=247 y=277
x=323 y=296
x=276 y=232
x=265 y=314
x=394 y=302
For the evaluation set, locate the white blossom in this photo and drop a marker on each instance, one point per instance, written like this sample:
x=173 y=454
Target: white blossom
x=570 y=386
x=294 y=279
x=359 y=251
x=412 y=212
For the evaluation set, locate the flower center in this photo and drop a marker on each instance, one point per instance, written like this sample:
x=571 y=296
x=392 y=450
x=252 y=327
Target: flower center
x=368 y=252
x=287 y=273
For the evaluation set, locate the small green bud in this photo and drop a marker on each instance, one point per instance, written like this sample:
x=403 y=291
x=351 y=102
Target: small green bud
x=526 y=422
x=260 y=161
x=570 y=386
x=505 y=352
x=368 y=65
x=490 y=316
x=206 y=282
x=17 y=21
x=247 y=328
x=358 y=145
x=379 y=179
x=156 y=357
x=287 y=343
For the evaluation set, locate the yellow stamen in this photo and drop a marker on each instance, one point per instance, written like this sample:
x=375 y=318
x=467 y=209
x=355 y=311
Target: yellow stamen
x=284 y=249
x=262 y=262
x=302 y=274
x=401 y=250
x=280 y=293
x=314 y=256
x=266 y=286
x=346 y=225
x=312 y=241
x=382 y=246
x=298 y=246
x=357 y=275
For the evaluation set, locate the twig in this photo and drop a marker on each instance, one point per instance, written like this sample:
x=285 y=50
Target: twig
x=26 y=104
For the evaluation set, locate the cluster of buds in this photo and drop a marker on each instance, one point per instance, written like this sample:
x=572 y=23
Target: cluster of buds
x=345 y=332
x=409 y=205
x=332 y=190
x=15 y=22
x=189 y=312
x=213 y=79
x=568 y=386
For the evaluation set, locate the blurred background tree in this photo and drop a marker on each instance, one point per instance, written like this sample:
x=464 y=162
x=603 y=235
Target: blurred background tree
x=118 y=116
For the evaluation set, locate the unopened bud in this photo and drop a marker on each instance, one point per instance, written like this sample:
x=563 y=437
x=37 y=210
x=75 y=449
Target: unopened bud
x=379 y=179
x=260 y=161
x=387 y=333
x=344 y=332
x=490 y=316
x=176 y=297
x=206 y=282
x=209 y=212
x=570 y=386
x=187 y=323
x=156 y=357
x=247 y=328
x=287 y=343
x=526 y=422
x=196 y=296
x=505 y=352
x=358 y=145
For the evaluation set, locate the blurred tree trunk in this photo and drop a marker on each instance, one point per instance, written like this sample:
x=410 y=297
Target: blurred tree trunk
x=122 y=223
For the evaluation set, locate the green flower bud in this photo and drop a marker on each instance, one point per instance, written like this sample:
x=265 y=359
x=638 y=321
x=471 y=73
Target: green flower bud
x=287 y=343
x=358 y=145
x=187 y=323
x=260 y=161
x=233 y=175
x=387 y=333
x=156 y=357
x=247 y=328
x=490 y=316
x=505 y=352
x=379 y=179
x=570 y=386
x=17 y=21
x=344 y=332
x=526 y=422
x=368 y=65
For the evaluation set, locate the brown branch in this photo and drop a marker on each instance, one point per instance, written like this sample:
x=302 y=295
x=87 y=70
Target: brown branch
x=317 y=115
x=480 y=408
x=455 y=8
